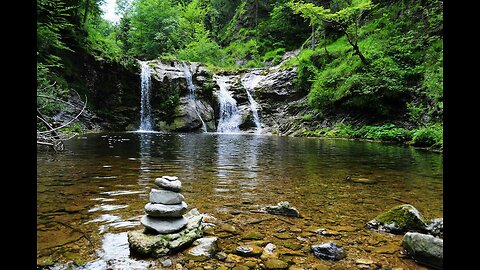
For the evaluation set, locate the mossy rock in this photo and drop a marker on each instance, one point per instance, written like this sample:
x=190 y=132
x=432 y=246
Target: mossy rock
x=398 y=220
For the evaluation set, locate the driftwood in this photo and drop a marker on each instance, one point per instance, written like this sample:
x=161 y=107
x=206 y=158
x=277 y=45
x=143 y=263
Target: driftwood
x=51 y=137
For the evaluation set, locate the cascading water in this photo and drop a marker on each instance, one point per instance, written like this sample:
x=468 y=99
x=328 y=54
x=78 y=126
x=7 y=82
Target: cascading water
x=146 y=122
x=229 y=115
x=249 y=82
x=192 y=96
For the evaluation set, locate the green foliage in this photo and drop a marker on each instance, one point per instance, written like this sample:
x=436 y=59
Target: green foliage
x=307 y=117
x=273 y=57
x=73 y=128
x=386 y=132
x=429 y=136
x=154 y=28
x=203 y=50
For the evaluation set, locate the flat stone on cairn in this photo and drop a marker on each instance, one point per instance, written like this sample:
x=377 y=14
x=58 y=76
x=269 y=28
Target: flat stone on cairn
x=166 y=207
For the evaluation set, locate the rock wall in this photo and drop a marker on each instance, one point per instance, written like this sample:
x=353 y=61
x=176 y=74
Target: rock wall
x=115 y=97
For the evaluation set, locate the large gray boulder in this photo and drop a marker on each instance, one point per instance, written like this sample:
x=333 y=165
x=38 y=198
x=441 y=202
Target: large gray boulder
x=398 y=220
x=158 y=245
x=425 y=249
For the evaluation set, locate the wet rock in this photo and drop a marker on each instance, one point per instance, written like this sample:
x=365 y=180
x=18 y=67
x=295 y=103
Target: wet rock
x=269 y=248
x=175 y=185
x=166 y=263
x=435 y=227
x=292 y=245
x=165 y=210
x=252 y=235
x=283 y=209
x=232 y=258
x=398 y=220
x=387 y=249
x=326 y=232
x=364 y=261
x=425 y=249
x=328 y=251
x=360 y=180
x=203 y=249
x=249 y=251
x=221 y=256
x=165 y=197
x=283 y=235
x=321 y=266
x=240 y=267
x=228 y=228
x=273 y=263
x=159 y=245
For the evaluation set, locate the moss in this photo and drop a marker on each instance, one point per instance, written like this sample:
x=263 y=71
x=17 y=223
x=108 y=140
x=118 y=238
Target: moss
x=402 y=218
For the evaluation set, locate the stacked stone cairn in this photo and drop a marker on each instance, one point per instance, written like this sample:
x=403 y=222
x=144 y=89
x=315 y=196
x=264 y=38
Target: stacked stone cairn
x=166 y=207
x=168 y=228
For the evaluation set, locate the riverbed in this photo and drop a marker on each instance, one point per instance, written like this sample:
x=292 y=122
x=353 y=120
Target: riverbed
x=93 y=193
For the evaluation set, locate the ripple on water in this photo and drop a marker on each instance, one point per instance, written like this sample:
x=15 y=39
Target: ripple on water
x=120 y=192
x=107 y=207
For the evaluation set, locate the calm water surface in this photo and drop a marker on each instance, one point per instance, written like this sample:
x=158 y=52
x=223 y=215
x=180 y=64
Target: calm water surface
x=92 y=194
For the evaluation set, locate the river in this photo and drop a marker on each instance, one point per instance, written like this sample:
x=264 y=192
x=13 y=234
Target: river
x=89 y=196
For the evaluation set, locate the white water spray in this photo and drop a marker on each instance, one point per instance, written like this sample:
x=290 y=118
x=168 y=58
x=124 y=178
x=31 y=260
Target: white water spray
x=192 y=96
x=229 y=115
x=146 y=122
x=249 y=82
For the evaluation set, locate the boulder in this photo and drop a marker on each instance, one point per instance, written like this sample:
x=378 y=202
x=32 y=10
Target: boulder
x=425 y=249
x=158 y=245
x=283 y=209
x=398 y=220
x=328 y=251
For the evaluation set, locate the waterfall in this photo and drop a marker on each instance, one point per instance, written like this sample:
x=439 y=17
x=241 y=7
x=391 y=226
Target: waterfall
x=191 y=89
x=249 y=82
x=145 y=109
x=229 y=115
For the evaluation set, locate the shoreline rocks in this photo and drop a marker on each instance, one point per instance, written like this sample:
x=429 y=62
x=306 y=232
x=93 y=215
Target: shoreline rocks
x=424 y=249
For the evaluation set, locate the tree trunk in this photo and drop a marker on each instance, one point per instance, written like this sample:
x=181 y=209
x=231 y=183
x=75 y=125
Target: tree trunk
x=87 y=4
x=359 y=53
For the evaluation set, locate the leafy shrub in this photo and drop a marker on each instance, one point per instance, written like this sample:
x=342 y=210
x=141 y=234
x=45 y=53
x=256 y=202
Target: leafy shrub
x=429 y=136
x=307 y=117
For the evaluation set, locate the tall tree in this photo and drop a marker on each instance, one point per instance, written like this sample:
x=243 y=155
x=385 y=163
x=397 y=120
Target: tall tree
x=347 y=19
